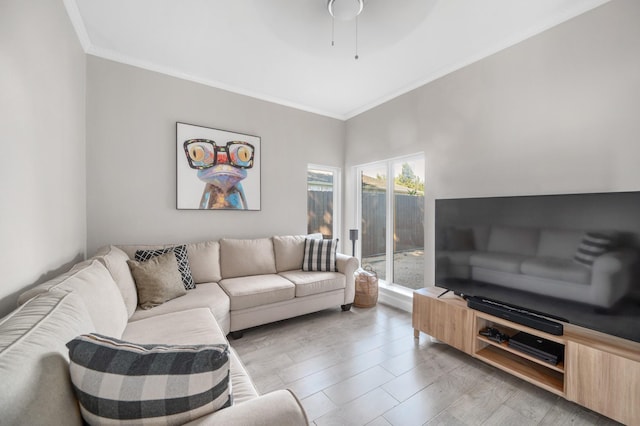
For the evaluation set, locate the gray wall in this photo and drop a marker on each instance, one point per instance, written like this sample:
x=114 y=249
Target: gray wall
x=42 y=133
x=557 y=113
x=131 y=157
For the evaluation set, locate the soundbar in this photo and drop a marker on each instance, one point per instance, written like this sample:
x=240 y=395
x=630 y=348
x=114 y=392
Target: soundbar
x=515 y=314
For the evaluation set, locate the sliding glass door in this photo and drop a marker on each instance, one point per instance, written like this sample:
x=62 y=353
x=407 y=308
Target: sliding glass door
x=392 y=219
x=373 y=202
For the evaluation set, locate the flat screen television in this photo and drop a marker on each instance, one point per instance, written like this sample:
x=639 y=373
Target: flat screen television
x=574 y=257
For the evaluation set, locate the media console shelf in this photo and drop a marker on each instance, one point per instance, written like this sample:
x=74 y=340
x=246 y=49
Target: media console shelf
x=545 y=375
x=599 y=371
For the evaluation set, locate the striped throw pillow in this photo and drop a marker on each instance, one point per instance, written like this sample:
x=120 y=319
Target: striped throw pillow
x=117 y=381
x=181 y=257
x=319 y=255
x=593 y=245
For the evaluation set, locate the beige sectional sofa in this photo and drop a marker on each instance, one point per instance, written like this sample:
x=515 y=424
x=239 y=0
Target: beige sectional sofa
x=239 y=284
x=251 y=282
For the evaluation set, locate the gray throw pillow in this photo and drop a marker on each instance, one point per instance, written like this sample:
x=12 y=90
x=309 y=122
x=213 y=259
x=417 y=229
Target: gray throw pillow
x=320 y=255
x=593 y=245
x=120 y=382
x=157 y=280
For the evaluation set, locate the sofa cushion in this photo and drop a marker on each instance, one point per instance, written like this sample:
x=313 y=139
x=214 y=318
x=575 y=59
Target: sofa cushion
x=247 y=292
x=319 y=255
x=510 y=240
x=556 y=269
x=204 y=260
x=504 y=262
x=194 y=326
x=558 y=243
x=205 y=295
x=45 y=286
x=140 y=384
x=157 y=280
x=308 y=283
x=241 y=258
x=34 y=363
x=115 y=260
x=93 y=283
x=289 y=251
x=182 y=260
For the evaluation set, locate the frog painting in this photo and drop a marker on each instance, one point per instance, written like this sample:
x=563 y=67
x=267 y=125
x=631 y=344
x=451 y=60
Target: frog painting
x=223 y=168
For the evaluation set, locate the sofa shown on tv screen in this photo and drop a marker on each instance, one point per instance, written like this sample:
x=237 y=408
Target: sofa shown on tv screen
x=572 y=256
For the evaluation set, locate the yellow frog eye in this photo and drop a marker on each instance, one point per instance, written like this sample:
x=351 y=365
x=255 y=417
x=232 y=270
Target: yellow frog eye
x=196 y=152
x=240 y=154
x=244 y=154
x=200 y=153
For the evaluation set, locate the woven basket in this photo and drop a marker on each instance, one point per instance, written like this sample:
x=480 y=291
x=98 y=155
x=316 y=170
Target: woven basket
x=366 y=288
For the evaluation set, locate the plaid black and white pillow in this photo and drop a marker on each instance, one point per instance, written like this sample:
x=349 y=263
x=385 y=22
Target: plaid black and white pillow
x=181 y=257
x=593 y=244
x=117 y=381
x=319 y=255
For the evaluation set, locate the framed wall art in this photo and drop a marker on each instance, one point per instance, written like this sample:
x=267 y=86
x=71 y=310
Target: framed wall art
x=217 y=169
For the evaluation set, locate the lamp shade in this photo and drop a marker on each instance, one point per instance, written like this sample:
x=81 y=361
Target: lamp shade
x=345 y=10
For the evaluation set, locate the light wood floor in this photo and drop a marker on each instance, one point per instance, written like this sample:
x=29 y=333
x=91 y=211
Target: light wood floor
x=364 y=367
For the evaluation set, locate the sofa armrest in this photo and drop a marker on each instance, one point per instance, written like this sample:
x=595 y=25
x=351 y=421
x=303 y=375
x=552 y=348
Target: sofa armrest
x=279 y=407
x=611 y=276
x=348 y=265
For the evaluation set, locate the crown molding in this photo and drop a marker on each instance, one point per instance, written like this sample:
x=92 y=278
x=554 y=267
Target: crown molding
x=78 y=24
x=150 y=66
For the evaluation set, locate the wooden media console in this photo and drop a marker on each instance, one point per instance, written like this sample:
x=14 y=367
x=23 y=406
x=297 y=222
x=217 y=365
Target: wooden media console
x=599 y=371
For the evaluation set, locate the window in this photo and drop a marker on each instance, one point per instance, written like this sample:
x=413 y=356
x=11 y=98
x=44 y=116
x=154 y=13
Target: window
x=391 y=215
x=323 y=205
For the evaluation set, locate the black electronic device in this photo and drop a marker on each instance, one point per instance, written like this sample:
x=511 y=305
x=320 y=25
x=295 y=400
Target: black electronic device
x=494 y=334
x=537 y=347
x=515 y=314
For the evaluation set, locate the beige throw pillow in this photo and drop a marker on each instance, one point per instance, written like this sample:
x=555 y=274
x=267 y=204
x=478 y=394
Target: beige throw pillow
x=157 y=280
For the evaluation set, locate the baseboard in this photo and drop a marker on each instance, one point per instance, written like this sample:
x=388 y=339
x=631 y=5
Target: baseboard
x=397 y=299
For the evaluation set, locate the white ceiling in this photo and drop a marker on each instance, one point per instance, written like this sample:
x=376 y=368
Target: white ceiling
x=280 y=50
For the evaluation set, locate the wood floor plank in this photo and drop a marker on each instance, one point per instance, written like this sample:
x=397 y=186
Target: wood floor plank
x=425 y=405
x=356 y=386
x=317 y=405
x=359 y=411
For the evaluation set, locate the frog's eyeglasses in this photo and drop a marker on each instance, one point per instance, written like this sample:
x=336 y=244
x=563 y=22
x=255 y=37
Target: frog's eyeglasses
x=205 y=153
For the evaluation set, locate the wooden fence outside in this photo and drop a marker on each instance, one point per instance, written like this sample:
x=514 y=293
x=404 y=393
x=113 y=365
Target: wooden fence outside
x=409 y=220
x=320 y=212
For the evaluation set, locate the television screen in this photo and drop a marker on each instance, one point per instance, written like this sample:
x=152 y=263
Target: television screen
x=570 y=256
